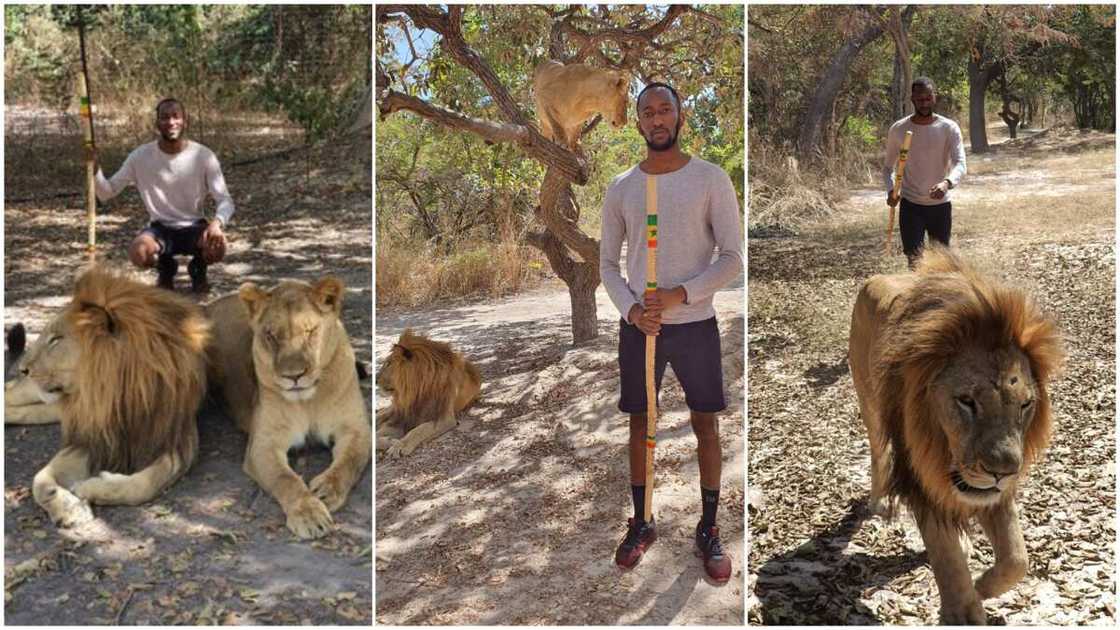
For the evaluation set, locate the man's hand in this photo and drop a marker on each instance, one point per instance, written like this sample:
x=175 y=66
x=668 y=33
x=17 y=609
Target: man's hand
x=647 y=322
x=892 y=201
x=213 y=242
x=938 y=190
x=659 y=300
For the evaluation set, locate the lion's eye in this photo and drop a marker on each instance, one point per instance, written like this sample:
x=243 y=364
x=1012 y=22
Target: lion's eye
x=1027 y=404
x=311 y=331
x=270 y=336
x=54 y=339
x=967 y=403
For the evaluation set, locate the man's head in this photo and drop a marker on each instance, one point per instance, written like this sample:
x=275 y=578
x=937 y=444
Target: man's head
x=171 y=119
x=659 y=116
x=923 y=96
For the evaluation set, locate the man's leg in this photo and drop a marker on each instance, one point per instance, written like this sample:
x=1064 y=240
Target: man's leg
x=706 y=428
x=204 y=255
x=940 y=222
x=912 y=229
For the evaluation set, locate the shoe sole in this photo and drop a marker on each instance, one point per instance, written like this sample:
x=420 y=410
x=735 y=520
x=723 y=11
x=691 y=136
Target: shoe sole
x=700 y=554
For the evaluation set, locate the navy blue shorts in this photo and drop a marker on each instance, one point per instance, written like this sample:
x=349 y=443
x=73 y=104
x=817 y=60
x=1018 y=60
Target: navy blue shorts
x=693 y=351
x=177 y=241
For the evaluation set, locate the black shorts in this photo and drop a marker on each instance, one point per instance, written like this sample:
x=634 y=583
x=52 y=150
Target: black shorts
x=693 y=351
x=180 y=241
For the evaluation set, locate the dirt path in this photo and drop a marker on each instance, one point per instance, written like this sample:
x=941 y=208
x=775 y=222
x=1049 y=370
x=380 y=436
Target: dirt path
x=213 y=548
x=513 y=517
x=1038 y=212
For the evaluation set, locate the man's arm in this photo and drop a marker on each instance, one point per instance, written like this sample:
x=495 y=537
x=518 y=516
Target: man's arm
x=724 y=218
x=106 y=189
x=610 y=254
x=216 y=184
x=957 y=167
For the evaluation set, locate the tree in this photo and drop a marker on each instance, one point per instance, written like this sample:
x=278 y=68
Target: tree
x=628 y=38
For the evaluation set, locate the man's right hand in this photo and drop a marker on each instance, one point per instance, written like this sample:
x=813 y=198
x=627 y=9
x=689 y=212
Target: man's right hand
x=648 y=322
x=892 y=201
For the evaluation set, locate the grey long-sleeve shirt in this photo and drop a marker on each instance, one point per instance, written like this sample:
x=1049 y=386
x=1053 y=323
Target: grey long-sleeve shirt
x=936 y=154
x=173 y=187
x=697 y=212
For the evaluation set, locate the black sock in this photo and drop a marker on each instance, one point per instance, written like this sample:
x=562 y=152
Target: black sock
x=639 y=494
x=710 y=501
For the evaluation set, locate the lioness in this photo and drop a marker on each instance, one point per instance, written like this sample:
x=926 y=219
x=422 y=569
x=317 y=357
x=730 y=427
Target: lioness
x=951 y=370
x=429 y=383
x=124 y=367
x=569 y=96
x=286 y=372
x=24 y=402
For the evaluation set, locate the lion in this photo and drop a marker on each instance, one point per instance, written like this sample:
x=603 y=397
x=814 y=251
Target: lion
x=568 y=96
x=124 y=367
x=24 y=402
x=286 y=372
x=951 y=370
x=429 y=383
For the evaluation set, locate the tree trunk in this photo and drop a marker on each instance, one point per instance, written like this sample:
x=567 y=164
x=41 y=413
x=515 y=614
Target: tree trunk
x=828 y=86
x=978 y=78
x=897 y=24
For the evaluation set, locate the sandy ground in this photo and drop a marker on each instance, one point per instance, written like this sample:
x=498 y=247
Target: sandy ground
x=1038 y=212
x=513 y=517
x=213 y=548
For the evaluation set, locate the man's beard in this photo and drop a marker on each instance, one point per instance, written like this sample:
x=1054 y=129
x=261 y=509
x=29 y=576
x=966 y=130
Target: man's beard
x=171 y=136
x=664 y=145
x=924 y=112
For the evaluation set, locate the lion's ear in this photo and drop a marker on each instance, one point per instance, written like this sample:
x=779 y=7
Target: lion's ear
x=327 y=293
x=93 y=319
x=253 y=297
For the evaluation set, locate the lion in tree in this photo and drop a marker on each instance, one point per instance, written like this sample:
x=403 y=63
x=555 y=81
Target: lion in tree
x=124 y=366
x=569 y=96
x=951 y=369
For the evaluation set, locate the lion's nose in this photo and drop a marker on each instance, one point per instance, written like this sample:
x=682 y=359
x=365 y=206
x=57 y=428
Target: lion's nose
x=25 y=371
x=1001 y=464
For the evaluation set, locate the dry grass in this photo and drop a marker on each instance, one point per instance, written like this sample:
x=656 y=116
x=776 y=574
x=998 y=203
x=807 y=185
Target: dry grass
x=413 y=274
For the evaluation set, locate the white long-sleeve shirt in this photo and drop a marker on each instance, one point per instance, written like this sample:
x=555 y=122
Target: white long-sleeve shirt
x=173 y=187
x=936 y=154
x=697 y=212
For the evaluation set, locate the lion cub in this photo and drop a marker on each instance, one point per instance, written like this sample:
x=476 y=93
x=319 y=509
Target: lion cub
x=285 y=368
x=568 y=96
x=429 y=383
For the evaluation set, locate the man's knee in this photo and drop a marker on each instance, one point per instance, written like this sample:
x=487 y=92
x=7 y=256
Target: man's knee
x=704 y=426
x=144 y=251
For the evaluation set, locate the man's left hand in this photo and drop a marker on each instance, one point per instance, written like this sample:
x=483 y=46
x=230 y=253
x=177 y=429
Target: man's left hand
x=938 y=190
x=213 y=242
x=661 y=299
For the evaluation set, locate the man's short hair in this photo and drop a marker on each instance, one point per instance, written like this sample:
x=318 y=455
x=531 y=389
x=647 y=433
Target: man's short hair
x=923 y=83
x=656 y=84
x=170 y=101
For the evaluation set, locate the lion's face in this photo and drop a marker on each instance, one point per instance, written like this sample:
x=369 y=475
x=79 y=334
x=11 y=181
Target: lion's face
x=51 y=361
x=294 y=327
x=986 y=401
x=621 y=103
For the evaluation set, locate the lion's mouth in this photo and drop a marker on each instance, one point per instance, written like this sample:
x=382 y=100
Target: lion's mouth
x=964 y=487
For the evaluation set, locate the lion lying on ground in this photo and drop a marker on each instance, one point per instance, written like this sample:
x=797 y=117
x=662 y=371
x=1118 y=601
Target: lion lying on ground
x=123 y=365
x=429 y=383
x=24 y=402
x=287 y=375
x=951 y=370
x=569 y=96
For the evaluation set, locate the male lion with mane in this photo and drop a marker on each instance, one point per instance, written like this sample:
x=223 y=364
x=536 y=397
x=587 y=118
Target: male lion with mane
x=951 y=370
x=287 y=375
x=429 y=383
x=568 y=96
x=123 y=366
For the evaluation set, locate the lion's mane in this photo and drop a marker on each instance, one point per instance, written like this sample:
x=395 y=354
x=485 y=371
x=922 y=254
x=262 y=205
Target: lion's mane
x=141 y=374
x=950 y=308
x=425 y=376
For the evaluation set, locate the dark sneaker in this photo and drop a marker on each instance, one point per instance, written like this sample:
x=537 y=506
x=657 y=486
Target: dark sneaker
x=716 y=563
x=168 y=267
x=639 y=536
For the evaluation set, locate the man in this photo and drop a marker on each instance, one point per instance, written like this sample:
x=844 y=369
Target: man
x=697 y=211
x=173 y=175
x=934 y=167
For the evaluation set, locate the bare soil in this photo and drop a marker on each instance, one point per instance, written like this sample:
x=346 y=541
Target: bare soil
x=214 y=547
x=513 y=517
x=1037 y=212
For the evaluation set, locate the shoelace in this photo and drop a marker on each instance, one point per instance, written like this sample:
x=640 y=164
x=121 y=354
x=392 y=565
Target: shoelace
x=714 y=547
x=633 y=534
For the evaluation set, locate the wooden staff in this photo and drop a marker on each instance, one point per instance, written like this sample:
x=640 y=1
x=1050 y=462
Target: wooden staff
x=85 y=111
x=903 y=153
x=651 y=342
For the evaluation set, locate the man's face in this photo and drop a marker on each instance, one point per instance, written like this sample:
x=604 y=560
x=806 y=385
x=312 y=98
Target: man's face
x=658 y=119
x=171 y=122
x=923 y=101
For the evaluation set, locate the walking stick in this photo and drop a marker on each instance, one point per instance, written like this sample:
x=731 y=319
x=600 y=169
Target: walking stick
x=903 y=153
x=85 y=111
x=651 y=342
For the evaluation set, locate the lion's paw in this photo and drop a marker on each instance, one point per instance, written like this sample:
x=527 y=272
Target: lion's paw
x=399 y=449
x=67 y=510
x=330 y=489
x=967 y=613
x=310 y=518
